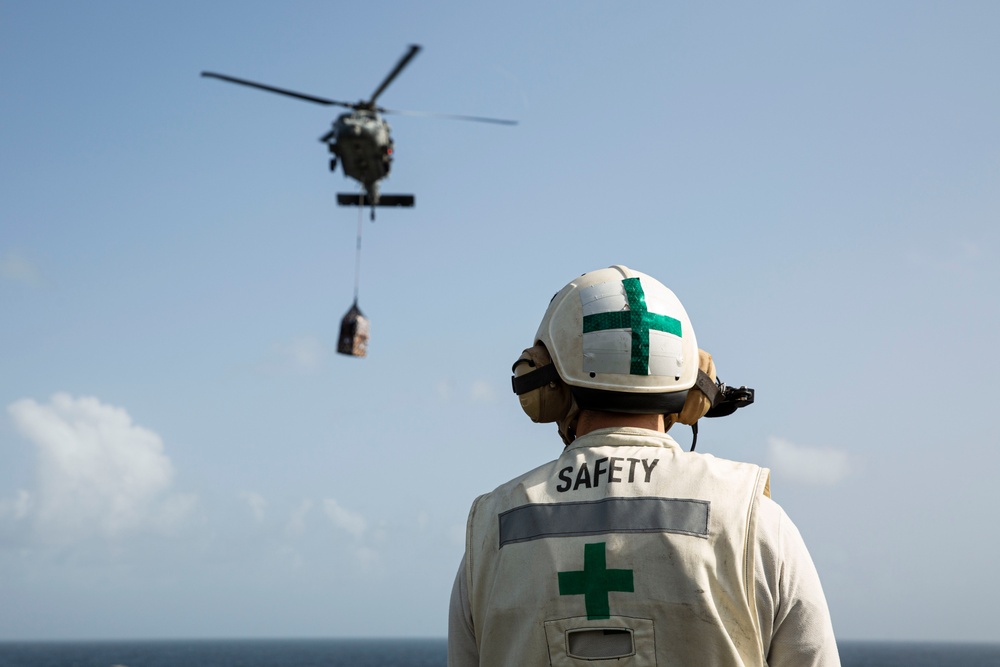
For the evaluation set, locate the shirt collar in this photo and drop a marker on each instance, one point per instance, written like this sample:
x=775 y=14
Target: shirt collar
x=621 y=436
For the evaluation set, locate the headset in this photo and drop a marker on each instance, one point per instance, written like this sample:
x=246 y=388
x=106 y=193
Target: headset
x=545 y=398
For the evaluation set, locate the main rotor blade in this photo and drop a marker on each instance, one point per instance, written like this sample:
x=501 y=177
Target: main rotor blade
x=478 y=119
x=403 y=62
x=281 y=91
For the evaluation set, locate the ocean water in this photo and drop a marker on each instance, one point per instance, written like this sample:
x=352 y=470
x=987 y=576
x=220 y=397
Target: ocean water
x=396 y=653
x=918 y=654
x=229 y=653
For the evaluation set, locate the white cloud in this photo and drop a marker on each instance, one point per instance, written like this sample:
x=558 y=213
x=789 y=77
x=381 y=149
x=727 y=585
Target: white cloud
x=18 y=508
x=17 y=269
x=291 y=556
x=297 y=522
x=954 y=256
x=345 y=519
x=808 y=465
x=257 y=503
x=443 y=389
x=368 y=558
x=479 y=391
x=456 y=535
x=304 y=354
x=98 y=473
x=482 y=391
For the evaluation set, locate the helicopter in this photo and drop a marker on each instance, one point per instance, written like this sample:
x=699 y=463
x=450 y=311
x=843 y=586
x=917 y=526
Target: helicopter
x=361 y=139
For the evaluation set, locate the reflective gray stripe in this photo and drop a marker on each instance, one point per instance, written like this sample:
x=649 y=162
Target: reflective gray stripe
x=611 y=515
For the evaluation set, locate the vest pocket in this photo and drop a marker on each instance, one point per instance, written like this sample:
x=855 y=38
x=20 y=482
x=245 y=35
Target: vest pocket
x=602 y=644
x=578 y=642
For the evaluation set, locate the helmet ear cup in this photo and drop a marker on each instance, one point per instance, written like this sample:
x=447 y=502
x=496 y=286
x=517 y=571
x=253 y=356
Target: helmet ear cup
x=700 y=400
x=543 y=395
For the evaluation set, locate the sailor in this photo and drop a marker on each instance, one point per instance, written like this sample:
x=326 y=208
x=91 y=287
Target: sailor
x=628 y=550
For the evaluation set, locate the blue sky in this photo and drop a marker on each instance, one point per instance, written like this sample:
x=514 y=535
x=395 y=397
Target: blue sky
x=182 y=454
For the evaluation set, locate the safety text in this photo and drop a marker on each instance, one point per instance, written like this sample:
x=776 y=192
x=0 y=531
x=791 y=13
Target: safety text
x=615 y=470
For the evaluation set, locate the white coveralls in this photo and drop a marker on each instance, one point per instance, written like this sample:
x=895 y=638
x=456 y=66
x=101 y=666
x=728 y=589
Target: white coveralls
x=629 y=551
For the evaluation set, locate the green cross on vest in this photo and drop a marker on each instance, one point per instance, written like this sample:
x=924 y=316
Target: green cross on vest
x=639 y=320
x=596 y=581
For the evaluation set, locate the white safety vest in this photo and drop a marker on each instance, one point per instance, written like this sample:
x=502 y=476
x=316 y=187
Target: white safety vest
x=625 y=550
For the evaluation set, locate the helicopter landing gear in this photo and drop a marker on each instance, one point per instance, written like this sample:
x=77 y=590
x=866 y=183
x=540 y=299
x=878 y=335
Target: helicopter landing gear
x=333 y=164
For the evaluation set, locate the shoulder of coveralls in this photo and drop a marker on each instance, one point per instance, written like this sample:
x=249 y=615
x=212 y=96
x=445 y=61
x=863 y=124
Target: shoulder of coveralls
x=791 y=601
x=512 y=483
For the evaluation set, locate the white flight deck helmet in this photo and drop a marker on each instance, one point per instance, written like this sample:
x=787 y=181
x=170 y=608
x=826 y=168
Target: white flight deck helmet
x=620 y=340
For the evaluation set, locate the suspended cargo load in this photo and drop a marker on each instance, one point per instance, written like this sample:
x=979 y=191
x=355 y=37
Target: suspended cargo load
x=353 y=333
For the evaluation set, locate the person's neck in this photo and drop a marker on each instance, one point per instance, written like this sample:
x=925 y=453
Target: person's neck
x=591 y=420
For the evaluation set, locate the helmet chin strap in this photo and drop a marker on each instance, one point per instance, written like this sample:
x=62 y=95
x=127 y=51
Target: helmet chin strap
x=670 y=420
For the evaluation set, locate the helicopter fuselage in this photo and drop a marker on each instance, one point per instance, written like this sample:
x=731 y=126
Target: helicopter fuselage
x=362 y=142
